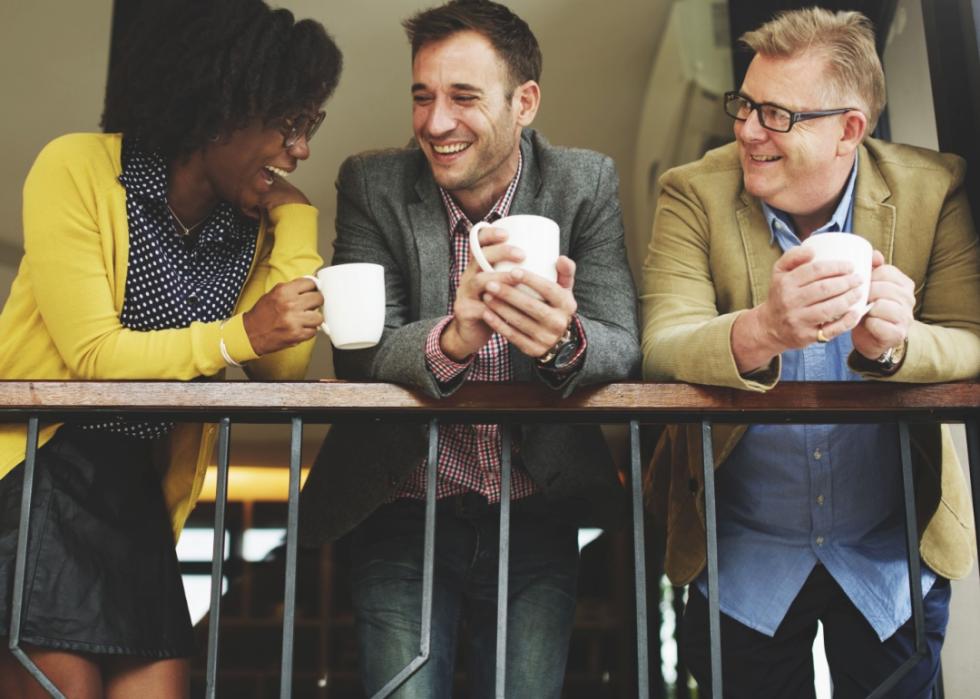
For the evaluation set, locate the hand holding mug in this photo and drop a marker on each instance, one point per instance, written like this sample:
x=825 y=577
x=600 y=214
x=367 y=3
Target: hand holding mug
x=468 y=332
x=532 y=322
x=892 y=295
x=284 y=316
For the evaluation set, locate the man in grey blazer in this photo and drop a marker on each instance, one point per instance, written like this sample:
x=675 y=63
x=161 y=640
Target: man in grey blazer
x=475 y=91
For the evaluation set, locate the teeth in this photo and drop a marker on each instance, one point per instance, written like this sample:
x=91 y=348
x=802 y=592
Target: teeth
x=277 y=171
x=452 y=148
x=764 y=158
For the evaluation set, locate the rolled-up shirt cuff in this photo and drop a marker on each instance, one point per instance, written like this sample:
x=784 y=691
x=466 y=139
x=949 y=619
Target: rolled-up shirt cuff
x=443 y=368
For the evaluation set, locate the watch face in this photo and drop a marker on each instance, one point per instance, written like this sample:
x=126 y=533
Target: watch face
x=565 y=354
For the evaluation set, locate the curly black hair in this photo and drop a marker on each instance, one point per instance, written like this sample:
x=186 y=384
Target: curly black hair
x=193 y=70
x=509 y=35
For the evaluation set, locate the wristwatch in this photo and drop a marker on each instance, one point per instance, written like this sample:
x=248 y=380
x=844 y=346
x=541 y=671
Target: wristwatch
x=561 y=353
x=891 y=358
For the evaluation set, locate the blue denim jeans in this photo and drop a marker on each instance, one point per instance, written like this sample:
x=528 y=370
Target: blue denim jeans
x=386 y=578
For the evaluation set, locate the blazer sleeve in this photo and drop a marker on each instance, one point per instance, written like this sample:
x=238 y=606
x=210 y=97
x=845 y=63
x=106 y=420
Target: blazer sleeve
x=685 y=338
x=604 y=290
x=944 y=338
x=399 y=356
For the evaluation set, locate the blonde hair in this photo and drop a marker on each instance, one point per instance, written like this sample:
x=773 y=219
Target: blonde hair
x=847 y=42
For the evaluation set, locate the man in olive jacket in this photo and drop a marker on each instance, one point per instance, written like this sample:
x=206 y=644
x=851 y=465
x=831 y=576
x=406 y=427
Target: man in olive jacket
x=810 y=517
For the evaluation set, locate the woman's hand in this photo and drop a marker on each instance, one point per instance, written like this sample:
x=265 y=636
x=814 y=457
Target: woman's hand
x=286 y=315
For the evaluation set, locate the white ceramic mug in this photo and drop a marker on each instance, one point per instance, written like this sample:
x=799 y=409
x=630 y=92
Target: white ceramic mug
x=353 y=303
x=536 y=236
x=852 y=248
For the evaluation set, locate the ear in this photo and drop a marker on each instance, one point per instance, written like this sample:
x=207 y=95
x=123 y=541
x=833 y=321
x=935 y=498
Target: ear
x=855 y=127
x=526 y=100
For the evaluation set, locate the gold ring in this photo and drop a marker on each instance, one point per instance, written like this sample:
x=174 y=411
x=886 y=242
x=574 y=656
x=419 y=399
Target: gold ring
x=821 y=337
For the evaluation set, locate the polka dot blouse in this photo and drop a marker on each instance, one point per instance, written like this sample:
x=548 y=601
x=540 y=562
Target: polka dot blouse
x=174 y=279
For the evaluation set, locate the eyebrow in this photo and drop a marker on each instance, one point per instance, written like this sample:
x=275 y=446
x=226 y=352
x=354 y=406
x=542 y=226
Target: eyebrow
x=466 y=87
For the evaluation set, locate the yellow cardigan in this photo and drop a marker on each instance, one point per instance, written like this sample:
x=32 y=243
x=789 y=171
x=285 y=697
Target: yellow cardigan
x=61 y=320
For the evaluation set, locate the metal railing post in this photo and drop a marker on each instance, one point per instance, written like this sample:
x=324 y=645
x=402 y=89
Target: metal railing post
x=503 y=562
x=218 y=555
x=20 y=565
x=639 y=566
x=428 y=569
x=711 y=534
x=292 y=537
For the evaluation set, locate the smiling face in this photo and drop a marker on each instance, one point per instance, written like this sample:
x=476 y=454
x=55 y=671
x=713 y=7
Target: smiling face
x=804 y=170
x=241 y=167
x=464 y=122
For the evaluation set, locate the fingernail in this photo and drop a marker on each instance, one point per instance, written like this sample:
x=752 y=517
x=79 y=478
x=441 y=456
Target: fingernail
x=493 y=287
x=517 y=273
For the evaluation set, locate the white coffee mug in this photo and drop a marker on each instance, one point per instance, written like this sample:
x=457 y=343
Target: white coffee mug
x=536 y=236
x=353 y=303
x=852 y=248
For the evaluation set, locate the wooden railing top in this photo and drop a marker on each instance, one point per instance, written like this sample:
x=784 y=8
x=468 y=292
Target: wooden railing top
x=336 y=400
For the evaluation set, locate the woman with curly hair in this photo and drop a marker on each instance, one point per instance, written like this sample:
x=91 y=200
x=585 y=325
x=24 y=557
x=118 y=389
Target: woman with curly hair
x=170 y=247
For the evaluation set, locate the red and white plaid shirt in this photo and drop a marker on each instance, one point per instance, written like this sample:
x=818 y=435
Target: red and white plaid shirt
x=469 y=455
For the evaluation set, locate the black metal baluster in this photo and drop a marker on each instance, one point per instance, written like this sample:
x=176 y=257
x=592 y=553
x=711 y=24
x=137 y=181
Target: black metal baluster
x=915 y=571
x=639 y=566
x=503 y=563
x=20 y=565
x=292 y=536
x=218 y=555
x=428 y=567
x=711 y=532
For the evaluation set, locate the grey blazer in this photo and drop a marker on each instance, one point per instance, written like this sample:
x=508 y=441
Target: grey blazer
x=389 y=212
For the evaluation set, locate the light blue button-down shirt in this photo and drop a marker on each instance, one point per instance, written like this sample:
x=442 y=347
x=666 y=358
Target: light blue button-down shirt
x=793 y=496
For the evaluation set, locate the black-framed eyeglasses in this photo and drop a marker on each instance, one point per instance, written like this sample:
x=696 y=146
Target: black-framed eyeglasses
x=305 y=125
x=772 y=116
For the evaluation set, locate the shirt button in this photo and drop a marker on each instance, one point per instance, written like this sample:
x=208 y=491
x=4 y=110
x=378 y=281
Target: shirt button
x=819 y=541
x=817 y=454
x=820 y=500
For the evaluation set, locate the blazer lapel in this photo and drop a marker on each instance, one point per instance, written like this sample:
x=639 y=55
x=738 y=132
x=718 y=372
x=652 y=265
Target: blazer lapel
x=761 y=251
x=528 y=199
x=430 y=229
x=874 y=219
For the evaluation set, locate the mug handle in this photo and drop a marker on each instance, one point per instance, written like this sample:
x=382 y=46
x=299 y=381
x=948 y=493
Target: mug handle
x=323 y=325
x=478 y=255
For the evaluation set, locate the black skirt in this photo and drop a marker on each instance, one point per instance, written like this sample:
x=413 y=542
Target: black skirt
x=102 y=572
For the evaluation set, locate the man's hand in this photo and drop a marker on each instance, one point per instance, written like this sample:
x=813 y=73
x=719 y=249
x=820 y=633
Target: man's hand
x=467 y=332
x=887 y=324
x=532 y=325
x=804 y=297
x=286 y=315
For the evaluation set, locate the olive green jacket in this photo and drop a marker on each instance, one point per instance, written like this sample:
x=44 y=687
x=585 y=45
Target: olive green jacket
x=711 y=257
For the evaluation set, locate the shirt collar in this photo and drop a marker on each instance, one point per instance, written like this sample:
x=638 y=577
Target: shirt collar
x=500 y=209
x=781 y=227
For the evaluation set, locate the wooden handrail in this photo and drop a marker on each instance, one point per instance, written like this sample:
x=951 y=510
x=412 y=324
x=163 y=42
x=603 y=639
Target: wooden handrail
x=653 y=402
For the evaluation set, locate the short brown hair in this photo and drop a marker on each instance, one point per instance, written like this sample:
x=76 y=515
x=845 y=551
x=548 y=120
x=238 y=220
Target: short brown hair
x=846 y=40
x=509 y=35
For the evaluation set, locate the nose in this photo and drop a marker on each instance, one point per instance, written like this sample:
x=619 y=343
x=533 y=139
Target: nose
x=440 y=119
x=751 y=129
x=300 y=149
